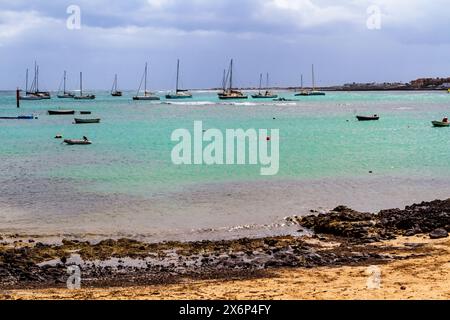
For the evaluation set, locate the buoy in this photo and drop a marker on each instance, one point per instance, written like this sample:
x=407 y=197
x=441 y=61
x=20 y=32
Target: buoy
x=268 y=138
x=58 y=136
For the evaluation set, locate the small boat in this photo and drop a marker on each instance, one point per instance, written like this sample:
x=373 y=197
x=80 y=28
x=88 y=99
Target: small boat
x=85 y=121
x=267 y=94
x=65 y=94
x=114 y=91
x=85 y=112
x=31 y=117
x=77 y=142
x=229 y=93
x=440 y=124
x=61 y=112
x=81 y=96
x=365 y=118
x=179 y=93
x=148 y=96
x=284 y=100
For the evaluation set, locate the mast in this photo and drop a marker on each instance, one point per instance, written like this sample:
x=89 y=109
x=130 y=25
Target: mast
x=260 y=82
x=26 y=83
x=37 y=79
x=313 y=80
x=301 y=77
x=224 y=80
x=231 y=75
x=64 y=82
x=81 y=84
x=267 y=81
x=145 y=79
x=178 y=74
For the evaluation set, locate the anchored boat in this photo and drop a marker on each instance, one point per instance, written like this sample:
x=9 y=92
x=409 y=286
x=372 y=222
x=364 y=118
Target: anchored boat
x=179 y=93
x=370 y=118
x=441 y=124
x=148 y=96
x=65 y=94
x=114 y=91
x=61 y=112
x=313 y=92
x=77 y=142
x=267 y=94
x=86 y=121
x=81 y=96
x=229 y=93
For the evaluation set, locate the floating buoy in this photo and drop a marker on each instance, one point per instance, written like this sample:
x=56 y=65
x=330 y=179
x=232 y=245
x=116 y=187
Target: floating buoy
x=268 y=138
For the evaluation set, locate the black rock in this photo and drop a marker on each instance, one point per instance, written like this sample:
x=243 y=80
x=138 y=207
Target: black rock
x=438 y=234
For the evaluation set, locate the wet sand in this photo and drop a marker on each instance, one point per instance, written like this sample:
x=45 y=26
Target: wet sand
x=424 y=277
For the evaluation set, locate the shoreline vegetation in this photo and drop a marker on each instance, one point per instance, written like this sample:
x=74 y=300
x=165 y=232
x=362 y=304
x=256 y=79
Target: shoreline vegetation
x=410 y=246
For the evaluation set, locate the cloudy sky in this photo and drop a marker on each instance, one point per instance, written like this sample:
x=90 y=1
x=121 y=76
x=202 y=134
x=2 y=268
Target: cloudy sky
x=283 y=37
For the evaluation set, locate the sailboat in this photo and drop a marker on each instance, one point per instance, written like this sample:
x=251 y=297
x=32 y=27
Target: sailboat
x=147 y=95
x=34 y=90
x=313 y=92
x=179 y=93
x=28 y=95
x=81 y=96
x=65 y=94
x=229 y=93
x=114 y=91
x=267 y=94
x=302 y=92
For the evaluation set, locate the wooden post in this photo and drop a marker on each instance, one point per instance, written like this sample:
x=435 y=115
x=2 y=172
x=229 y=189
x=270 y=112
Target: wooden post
x=18 y=97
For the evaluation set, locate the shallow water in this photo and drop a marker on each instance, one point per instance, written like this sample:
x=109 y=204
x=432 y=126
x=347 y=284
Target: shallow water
x=126 y=185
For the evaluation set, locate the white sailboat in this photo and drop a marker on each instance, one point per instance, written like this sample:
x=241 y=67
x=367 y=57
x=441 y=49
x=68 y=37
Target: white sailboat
x=147 y=95
x=65 y=94
x=179 y=93
x=81 y=96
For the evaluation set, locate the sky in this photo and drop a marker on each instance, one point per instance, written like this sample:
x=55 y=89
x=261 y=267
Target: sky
x=347 y=40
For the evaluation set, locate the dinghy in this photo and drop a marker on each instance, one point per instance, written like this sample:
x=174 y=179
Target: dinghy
x=19 y=118
x=77 y=142
x=441 y=124
x=61 y=112
x=85 y=121
x=364 y=118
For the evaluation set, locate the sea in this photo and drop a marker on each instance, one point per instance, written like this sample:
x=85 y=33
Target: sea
x=126 y=185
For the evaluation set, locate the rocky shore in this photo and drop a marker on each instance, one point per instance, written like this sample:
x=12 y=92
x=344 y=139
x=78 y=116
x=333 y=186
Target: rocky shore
x=342 y=237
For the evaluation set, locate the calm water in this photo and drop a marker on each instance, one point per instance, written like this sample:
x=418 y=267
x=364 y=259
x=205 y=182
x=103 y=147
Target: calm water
x=126 y=185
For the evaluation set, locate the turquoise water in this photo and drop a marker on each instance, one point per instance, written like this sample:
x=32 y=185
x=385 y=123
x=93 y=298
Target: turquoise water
x=128 y=168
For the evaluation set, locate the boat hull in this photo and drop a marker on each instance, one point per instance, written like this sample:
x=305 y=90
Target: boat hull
x=86 y=121
x=61 y=112
x=66 y=96
x=92 y=97
x=30 y=98
x=257 y=96
x=178 y=97
x=19 y=118
x=77 y=142
x=116 y=94
x=363 y=118
x=440 y=124
x=149 y=98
